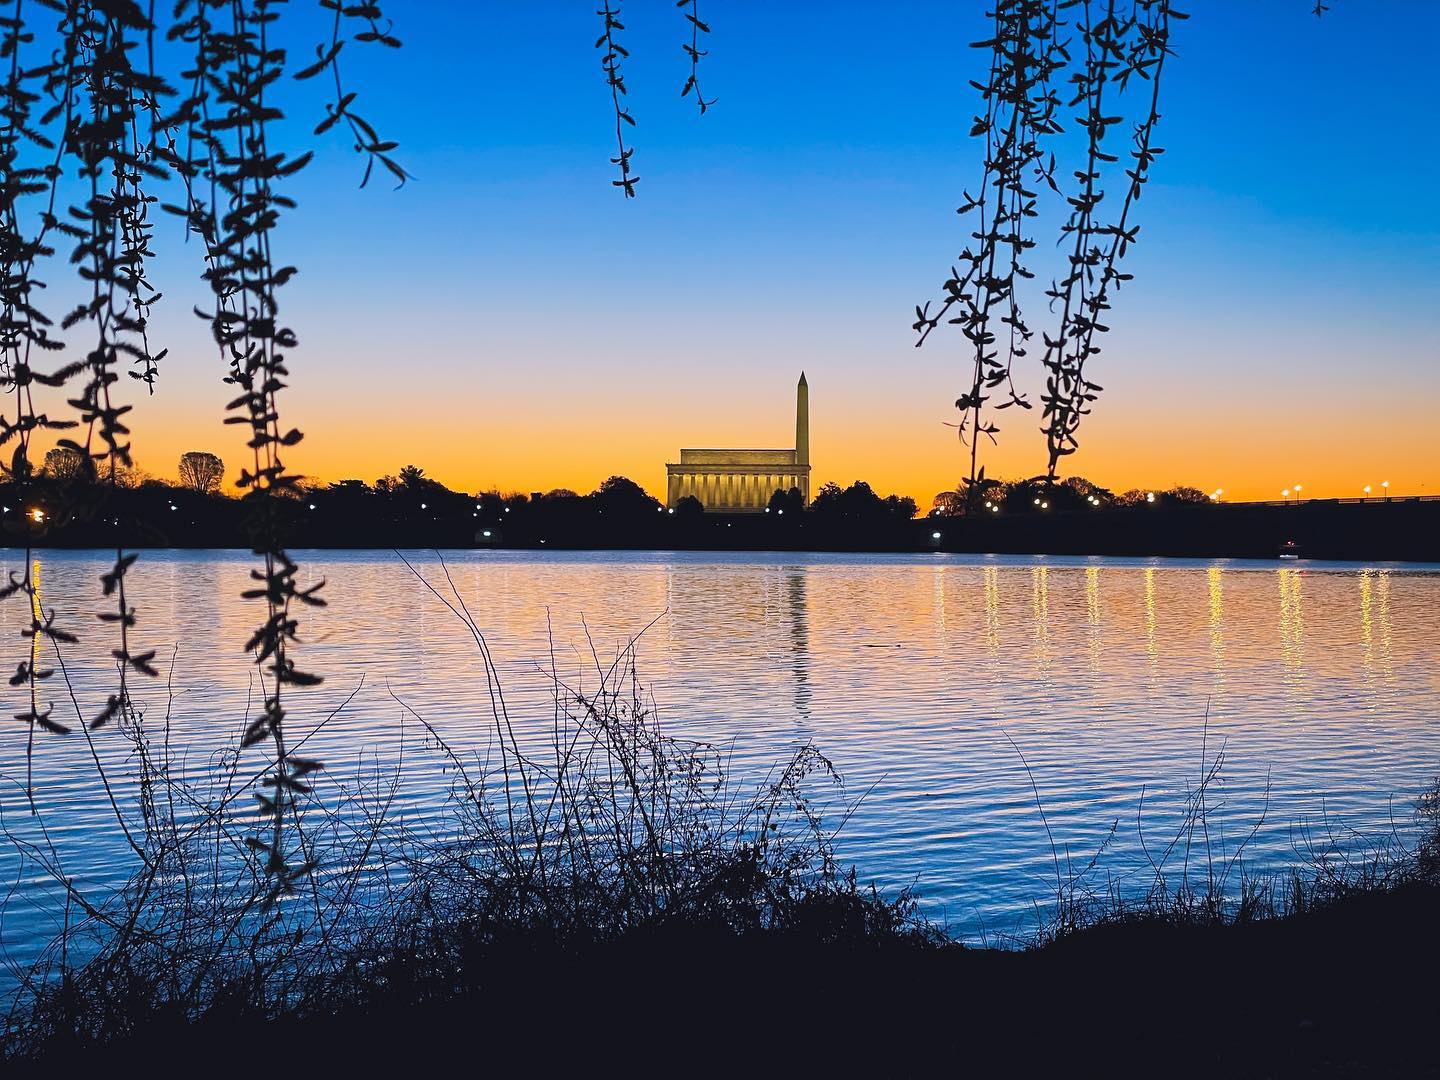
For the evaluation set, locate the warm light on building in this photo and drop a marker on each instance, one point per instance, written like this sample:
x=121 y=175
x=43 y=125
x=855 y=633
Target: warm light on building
x=743 y=480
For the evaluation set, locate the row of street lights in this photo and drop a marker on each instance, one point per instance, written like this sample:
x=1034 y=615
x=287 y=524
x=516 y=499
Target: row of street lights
x=1298 y=488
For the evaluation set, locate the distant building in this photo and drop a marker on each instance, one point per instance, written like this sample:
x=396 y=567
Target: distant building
x=742 y=481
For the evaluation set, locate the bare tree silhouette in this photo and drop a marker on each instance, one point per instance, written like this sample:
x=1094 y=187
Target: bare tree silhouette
x=201 y=471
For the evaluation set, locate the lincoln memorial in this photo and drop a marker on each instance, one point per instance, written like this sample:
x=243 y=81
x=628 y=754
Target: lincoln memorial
x=742 y=481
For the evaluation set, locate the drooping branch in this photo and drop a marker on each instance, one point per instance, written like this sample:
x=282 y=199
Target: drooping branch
x=694 y=53
x=1030 y=54
x=1117 y=51
x=610 y=64
x=1021 y=107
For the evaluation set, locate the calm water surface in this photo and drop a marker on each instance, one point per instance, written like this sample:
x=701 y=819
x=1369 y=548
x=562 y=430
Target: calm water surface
x=911 y=672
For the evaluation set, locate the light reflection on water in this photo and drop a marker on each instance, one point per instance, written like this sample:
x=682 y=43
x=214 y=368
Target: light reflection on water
x=907 y=671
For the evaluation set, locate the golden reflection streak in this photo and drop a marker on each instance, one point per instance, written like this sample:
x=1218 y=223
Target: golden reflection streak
x=1382 y=584
x=1040 y=598
x=1292 y=626
x=1150 y=614
x=1367 y=630
x=940 y=609
x=1216 y=580
x=35 y=613
x=1092 y=613
x=992 y=608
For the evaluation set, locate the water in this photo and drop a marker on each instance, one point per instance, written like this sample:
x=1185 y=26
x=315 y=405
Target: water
x=912 y=673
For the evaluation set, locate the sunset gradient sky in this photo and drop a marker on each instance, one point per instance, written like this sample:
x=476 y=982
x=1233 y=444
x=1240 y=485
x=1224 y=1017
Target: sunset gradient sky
x=508 y=320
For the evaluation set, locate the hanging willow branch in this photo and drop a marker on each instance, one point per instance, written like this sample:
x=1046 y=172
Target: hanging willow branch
x=1032 y=54
x=115 y=130
x=1117 y=50
x=694 y=52
x=610 y=64
x=1020 y=119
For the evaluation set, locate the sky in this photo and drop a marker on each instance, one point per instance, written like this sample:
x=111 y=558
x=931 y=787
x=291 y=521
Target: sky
x=507 y=320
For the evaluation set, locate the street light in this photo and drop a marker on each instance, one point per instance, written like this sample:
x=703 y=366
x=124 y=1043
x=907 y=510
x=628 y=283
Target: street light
x=1367 y=490
x=1149 y=496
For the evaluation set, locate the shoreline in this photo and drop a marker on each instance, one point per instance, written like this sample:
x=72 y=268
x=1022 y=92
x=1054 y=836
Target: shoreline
x=1405 y=530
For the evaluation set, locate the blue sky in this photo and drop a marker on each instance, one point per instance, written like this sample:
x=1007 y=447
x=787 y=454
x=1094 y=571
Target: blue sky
x=510 y=320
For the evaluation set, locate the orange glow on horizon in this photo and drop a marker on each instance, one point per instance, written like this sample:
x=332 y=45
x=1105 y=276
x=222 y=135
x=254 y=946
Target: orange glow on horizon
x=896 y=442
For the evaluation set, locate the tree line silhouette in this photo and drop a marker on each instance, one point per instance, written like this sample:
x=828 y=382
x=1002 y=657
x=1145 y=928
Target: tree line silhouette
x=63 y=507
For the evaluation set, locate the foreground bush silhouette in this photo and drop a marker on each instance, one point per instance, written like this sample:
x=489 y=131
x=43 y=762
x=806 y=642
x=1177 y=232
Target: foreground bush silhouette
x=605 y=831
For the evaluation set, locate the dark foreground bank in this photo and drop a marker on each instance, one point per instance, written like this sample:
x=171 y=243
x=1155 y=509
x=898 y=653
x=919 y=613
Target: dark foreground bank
x=1348 y=990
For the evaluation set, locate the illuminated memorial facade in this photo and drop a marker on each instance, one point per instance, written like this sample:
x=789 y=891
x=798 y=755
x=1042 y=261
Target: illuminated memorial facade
x=742 y=481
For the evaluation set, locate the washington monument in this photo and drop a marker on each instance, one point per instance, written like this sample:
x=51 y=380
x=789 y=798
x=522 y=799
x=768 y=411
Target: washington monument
x=742 y=481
